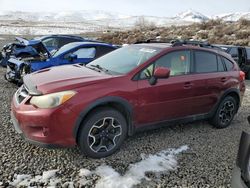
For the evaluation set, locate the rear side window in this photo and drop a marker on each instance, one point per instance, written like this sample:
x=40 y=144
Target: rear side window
x=220 y=65
x=234 y=51
x=248 y=53
x=51 y=42
x=229 y=64
x=205 y=62
x=63 y=41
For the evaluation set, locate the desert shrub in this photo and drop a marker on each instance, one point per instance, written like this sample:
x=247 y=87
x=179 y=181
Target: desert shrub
x=243 y=34
x=244 y=22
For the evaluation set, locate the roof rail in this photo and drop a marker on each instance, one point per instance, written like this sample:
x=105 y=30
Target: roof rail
x=178 y=42
x=195 y=43
x=190 y=42
x=155 y=41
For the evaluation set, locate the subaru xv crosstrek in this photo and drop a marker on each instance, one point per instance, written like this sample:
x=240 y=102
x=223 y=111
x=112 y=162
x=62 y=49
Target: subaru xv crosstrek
x=136 y=87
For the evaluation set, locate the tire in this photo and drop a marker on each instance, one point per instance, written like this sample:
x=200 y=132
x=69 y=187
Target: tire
x=102 y=133
x=225 y=113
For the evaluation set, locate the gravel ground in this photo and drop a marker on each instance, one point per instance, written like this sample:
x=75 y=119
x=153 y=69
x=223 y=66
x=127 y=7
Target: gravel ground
x=207 y=163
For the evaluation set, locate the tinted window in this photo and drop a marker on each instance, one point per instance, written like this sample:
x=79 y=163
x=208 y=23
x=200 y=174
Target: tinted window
x=229 y=64
x=205 y=62
x=178 y=62
x=102 y=50
x=234 y=51
x=248 y=53
x=220 y=65
x=63 y=41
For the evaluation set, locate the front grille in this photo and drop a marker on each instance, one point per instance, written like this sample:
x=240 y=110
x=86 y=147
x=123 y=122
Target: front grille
x=21 y=94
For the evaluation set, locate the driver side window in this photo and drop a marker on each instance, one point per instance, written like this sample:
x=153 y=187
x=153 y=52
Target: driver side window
x=83 y=53
x=178 y=62
x=51 y=42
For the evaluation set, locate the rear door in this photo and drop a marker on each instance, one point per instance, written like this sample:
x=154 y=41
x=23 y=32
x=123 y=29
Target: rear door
x=209 y=70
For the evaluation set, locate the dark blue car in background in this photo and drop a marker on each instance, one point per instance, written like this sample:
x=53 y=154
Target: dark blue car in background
x=31 y=48
x=72 y=53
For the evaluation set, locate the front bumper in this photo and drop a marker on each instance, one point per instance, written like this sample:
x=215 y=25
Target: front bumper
x=43 y=127
x=237 y=181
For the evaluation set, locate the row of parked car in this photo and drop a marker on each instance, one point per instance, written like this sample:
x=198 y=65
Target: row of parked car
x=26 y=56
x=95 y=101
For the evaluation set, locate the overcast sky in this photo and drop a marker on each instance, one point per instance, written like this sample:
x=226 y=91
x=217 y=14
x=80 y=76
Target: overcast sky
x=131 y=7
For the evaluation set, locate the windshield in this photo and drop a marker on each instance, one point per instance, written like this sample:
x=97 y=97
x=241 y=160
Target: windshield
x=125 y=59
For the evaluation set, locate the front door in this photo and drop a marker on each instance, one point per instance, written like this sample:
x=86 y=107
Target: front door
x=169 y=98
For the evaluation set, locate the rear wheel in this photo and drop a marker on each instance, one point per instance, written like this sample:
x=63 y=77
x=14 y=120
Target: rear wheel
x=225 y=113
x=102 y=133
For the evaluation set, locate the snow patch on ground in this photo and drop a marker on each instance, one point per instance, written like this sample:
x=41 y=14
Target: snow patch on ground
x=48 y=177
x=163 y=161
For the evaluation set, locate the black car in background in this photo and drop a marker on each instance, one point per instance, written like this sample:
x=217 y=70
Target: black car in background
x=241 y=173
x=241 y=55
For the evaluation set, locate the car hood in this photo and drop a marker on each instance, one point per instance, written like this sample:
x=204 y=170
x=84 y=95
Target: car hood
x=62 y=78
x=27 y=42
x=37 y=44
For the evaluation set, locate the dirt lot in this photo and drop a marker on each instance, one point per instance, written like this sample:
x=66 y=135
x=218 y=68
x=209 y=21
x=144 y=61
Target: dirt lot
x=207 y=163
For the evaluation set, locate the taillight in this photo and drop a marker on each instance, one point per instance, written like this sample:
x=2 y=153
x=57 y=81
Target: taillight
x=242 y=76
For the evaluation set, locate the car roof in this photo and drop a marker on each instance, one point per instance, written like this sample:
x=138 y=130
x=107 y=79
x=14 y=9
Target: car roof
x=76 y=44
x=185 y=46
x=155 y=45
x=65 y=36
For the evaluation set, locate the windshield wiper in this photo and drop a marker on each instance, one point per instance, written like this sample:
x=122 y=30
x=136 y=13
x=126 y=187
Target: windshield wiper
x=101 y=68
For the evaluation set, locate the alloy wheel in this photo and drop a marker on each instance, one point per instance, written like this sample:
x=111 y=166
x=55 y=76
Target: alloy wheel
x=226 y=113
x=104 y=134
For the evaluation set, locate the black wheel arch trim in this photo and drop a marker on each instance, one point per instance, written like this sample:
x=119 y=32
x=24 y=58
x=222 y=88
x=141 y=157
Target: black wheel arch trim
x=226 y=93
x=104 y=101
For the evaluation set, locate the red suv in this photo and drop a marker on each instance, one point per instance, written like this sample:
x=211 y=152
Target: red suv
x=138 y=86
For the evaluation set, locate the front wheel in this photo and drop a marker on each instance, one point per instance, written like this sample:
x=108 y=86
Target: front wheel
x=225 y=113
x=102 y=133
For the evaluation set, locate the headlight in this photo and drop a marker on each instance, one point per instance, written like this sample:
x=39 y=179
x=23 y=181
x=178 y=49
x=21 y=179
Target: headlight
x=51 y=100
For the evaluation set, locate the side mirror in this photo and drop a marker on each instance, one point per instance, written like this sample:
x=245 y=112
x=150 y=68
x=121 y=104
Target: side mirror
x=248 y=118
x=72 y=57
x=159 y=73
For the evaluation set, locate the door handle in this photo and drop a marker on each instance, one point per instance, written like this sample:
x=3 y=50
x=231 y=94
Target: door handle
x=187 y=85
